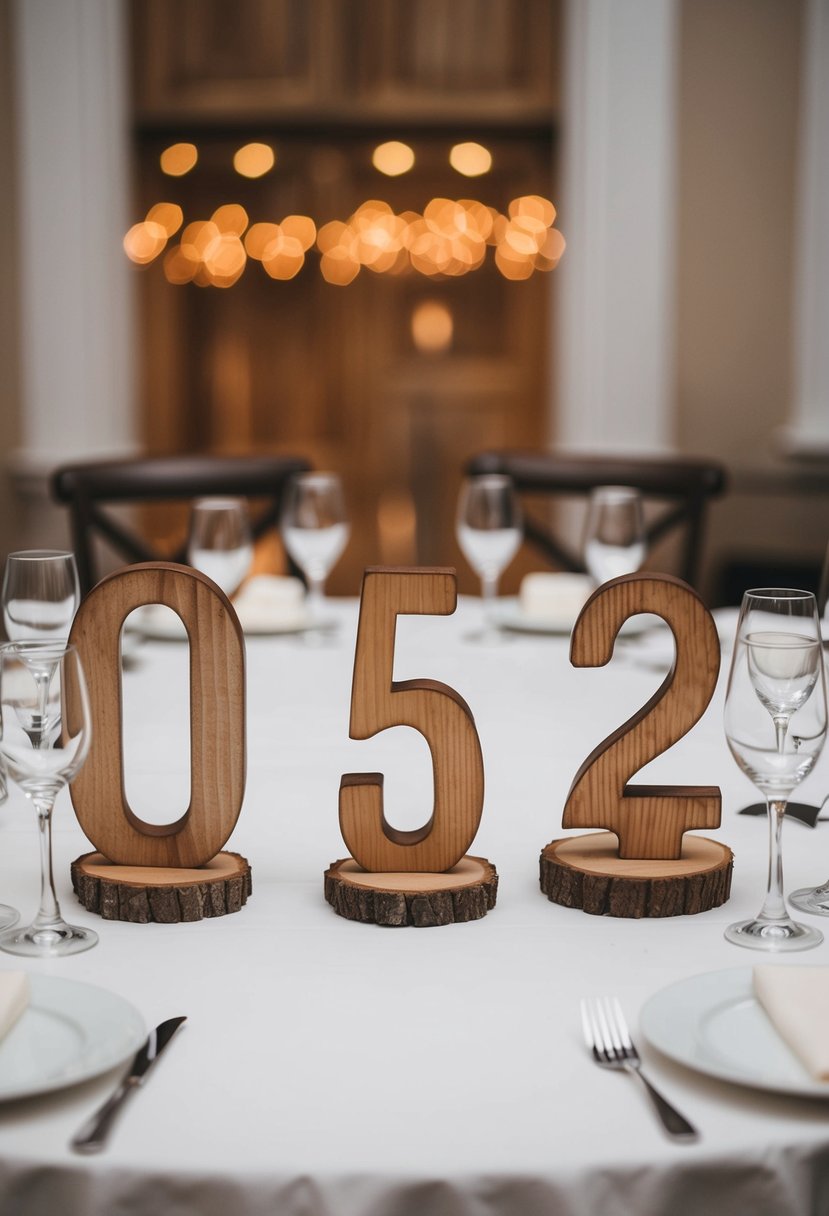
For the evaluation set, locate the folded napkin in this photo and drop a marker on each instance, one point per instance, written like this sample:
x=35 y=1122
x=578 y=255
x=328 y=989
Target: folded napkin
x=14 y=997
x=271 y=602
x=553 y=599
x=796 y=1001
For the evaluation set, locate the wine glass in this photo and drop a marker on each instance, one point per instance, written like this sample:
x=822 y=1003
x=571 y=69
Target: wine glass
x=219 y=542
x=40 y=597
x=775 y=724
x=614 y=532
x=314 y=529
x=489 y=533
x=40 y=594
x=44 y=743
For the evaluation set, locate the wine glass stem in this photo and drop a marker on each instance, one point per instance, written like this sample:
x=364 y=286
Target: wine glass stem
x=489 y=592
x=48 y=914
x=315 y=596
x=781 y=725
x=774 y=905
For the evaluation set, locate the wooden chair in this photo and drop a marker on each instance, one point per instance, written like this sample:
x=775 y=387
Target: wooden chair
x=681 y=488
x=92 y=490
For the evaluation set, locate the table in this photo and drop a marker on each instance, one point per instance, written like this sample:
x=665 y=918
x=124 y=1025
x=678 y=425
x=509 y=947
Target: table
x=329 y=1067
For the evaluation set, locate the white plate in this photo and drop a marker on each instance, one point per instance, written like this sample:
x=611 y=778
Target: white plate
x=68 y=1033
x=714 y=1024
x=161 y=624
x=510 y=616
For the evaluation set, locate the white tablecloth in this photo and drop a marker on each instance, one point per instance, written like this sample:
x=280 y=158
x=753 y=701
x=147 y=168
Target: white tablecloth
x=330 y=1067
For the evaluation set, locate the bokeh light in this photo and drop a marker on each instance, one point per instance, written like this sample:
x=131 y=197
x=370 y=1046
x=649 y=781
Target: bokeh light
x=178 y=159
x=169 y=215
x=432 y=326
x=393 y=158
x=254 y=160
x=144 y=242
x=470 y=159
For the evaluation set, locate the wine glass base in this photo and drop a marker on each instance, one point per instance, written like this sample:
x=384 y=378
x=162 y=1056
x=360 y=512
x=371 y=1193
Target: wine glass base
x=777 y=936
x=814 y=900
x=8 y=916
x=48 y=943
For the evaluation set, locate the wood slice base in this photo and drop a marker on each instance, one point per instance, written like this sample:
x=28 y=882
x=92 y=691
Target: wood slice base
x=586 y=872
x=141 y=894
x=466 y=892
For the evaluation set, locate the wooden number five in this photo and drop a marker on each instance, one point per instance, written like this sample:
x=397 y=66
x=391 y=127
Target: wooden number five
x=437 y=711
x=648 y=819
x=217 y=718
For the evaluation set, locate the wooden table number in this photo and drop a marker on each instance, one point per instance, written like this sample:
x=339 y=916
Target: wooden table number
x=171 y=872
x=642 y=864
x=420 y=877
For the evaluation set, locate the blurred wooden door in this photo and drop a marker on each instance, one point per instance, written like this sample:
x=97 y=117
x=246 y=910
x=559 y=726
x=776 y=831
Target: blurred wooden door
x=339 y=373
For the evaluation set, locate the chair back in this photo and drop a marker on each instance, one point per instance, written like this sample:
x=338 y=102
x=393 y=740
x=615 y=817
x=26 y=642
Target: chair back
x=91 y=490
x=680 y=489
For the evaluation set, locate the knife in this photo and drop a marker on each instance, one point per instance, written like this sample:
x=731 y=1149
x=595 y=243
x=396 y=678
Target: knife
x=91 y=1137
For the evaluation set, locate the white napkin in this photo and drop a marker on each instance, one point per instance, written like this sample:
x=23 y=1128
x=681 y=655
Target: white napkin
x=271 y=602
x=553 y=599
x=14 y=997
x=796 y=1001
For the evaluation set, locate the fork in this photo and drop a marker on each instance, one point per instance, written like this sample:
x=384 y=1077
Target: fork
x=607 y=1036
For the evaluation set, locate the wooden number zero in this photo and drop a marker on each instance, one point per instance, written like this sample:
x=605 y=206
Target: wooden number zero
x=217 y=718
x=436 y=710
x=648 y=820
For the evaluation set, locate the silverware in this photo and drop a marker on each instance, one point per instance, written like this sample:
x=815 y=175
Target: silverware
x=606 y=1035
x=93 y=1134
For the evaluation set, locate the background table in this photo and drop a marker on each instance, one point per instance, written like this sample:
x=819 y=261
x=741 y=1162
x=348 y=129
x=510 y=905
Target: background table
x=335 y=1067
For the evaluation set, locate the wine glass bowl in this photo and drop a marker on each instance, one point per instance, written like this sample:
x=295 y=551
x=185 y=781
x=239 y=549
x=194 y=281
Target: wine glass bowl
x=775 y=725
x=614 y=532
x=489 y=532
x=44 y=740
x=314 y=528
x=40 y=594
x=219 y=542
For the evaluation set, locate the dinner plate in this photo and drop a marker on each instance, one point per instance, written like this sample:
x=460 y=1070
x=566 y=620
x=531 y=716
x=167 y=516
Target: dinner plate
x=68 y=1033
x=714 y=1024
x=161 y=624
x=509 y=615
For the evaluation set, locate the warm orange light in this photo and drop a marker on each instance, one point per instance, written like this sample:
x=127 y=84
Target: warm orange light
x=254 y=160
x=513 y=265
x=178 y=159
x=535 y=206
x=432 y=326
x=338 y=267
x=197 y=236
x=302 y=227
x=178 y=267
x=284 y=257
x=168 y=215
x=258 y=237
x=330 y=235
x=470 y=159
x=224 y=259
x=230 y=217
x=144 y=242
x=393 y=158
x=551 y=250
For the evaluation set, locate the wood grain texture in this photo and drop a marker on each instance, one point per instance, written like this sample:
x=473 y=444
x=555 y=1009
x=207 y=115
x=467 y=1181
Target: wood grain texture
x=436 y=710
x=586 y=872
x=170 y=895
x=649 y=820
x=217 y=718
x=466 y=892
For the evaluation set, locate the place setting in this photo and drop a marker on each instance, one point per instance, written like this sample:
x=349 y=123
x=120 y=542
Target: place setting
x=314 y=530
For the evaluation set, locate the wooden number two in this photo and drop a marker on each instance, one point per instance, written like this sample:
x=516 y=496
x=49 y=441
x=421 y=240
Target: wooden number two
x=437 y=711
x=217 y=718
x=649 y=820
